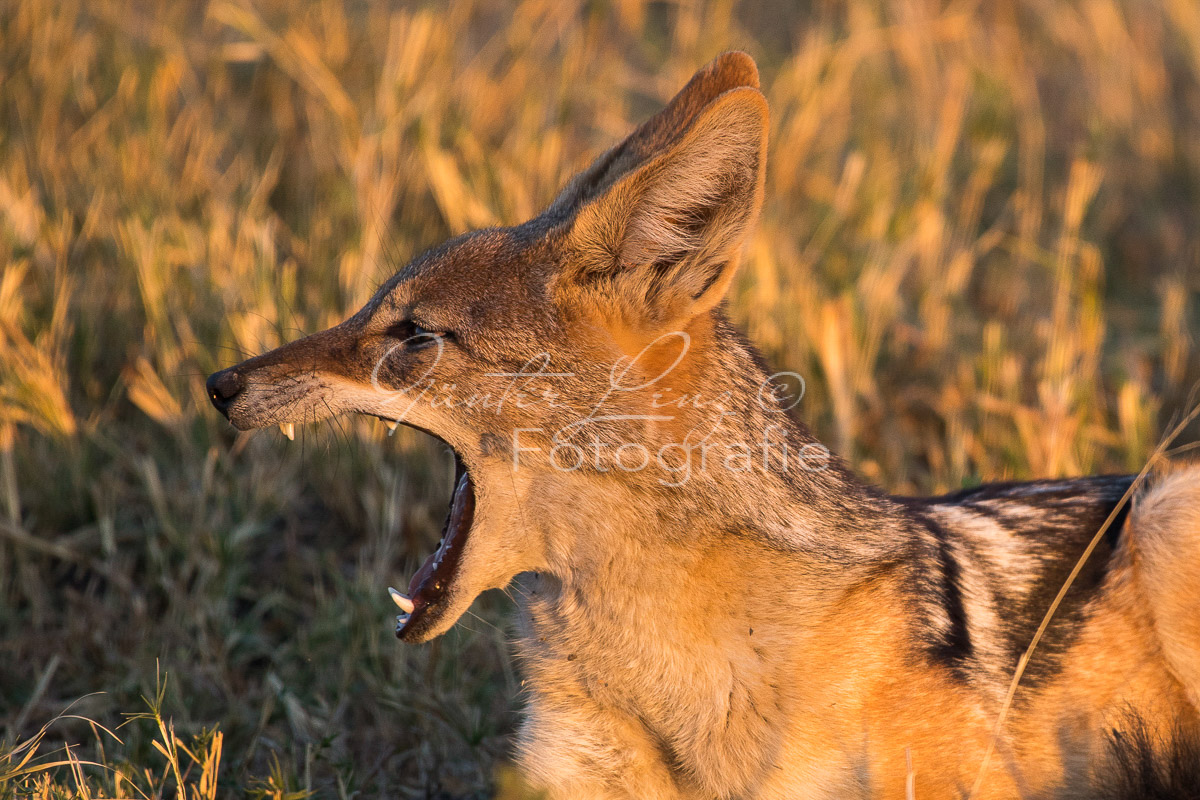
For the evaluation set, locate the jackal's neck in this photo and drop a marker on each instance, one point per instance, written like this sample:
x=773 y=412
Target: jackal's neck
x=678 y=618
x=659 y=600
x=732 y=460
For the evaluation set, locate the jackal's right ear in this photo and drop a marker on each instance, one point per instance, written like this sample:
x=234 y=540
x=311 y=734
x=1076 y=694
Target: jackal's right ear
x=662 y=244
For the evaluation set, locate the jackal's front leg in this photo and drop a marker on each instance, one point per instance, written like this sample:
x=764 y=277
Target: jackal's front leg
x=572 y=749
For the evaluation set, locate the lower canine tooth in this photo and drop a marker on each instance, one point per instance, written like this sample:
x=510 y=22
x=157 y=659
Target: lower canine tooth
x=289 y=430
x=406 y=605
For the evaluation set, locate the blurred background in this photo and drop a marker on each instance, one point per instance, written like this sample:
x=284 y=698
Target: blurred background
x=980 y=247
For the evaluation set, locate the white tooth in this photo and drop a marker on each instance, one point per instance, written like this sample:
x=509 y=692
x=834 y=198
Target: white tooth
x=289 y=430
x=401 y=600
x=391 y=425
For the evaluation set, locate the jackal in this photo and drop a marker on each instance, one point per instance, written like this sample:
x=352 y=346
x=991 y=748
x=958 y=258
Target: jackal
x=711 y=605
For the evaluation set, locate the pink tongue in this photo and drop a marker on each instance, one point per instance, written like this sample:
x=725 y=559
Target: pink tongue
x=462 y=509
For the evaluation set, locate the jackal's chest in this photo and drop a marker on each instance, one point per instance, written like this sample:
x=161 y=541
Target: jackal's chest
x=704 y=710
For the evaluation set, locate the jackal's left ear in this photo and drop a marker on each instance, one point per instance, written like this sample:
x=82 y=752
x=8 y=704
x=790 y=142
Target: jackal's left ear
x=662 y=244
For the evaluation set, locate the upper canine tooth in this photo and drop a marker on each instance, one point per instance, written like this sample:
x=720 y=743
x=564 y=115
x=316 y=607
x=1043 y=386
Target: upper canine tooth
x=406 y=605
x=391 y=425
x=289 y=430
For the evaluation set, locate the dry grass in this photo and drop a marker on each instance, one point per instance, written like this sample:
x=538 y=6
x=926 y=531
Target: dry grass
x=979 y=247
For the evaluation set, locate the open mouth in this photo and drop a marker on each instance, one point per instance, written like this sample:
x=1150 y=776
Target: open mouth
x=429 y=587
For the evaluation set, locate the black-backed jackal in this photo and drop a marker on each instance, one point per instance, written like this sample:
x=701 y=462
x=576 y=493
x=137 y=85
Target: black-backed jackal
x=711 y=604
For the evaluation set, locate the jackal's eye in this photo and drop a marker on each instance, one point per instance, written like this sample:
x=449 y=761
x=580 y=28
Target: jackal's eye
x=413 y=336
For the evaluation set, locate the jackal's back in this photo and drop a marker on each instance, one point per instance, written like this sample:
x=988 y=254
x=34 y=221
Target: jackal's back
x=996 y=557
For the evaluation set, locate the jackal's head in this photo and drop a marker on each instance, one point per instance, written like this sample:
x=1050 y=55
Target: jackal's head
x=510 y=344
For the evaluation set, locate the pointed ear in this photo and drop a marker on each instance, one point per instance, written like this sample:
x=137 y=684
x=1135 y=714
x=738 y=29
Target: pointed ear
x=661 y=245
x=727 y=71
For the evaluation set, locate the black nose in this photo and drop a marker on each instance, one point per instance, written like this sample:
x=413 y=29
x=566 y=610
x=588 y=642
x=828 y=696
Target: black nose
x=223 y=387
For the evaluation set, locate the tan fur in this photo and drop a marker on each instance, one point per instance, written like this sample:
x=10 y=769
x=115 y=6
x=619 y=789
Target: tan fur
x=1167 y=521
x=757 y=630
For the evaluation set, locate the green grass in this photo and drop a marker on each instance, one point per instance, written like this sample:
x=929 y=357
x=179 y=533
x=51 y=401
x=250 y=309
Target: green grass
x=979 y=247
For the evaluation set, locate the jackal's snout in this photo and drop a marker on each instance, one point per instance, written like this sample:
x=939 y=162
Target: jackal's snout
x=223 y=388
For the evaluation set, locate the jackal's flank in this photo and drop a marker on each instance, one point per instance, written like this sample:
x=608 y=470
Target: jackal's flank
x=763 y=625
